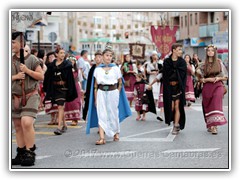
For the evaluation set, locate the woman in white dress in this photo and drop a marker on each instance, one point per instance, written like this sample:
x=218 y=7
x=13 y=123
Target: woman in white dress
x=152 y=70
x=107 y=86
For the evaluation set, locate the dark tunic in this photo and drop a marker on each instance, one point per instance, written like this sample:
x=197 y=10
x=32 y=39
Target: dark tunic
x=174 y=71
x=62 y=72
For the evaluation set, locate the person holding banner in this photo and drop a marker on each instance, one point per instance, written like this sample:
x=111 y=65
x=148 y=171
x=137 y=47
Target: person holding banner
x=24 y=103
x=174 y=83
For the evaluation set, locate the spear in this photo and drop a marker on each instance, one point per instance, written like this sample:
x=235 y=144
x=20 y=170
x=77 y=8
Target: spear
x=22 y=61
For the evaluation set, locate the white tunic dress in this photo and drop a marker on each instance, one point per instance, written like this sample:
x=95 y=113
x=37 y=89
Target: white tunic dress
x=156 y=86
x=108 y=101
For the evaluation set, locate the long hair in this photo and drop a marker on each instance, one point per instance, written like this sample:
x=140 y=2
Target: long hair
x=190 y=59
x=73 y=58
x=211 y=69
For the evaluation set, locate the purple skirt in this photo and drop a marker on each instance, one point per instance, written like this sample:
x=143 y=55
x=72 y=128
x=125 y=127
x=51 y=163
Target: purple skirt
x=212 y=95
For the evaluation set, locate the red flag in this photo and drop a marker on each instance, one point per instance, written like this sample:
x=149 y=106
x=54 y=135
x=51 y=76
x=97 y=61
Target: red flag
x=163 y=37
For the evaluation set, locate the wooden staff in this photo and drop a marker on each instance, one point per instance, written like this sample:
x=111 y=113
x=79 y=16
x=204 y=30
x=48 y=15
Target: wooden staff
x=22 y=61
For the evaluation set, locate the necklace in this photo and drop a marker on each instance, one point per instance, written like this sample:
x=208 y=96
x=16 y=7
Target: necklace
x=106 y=72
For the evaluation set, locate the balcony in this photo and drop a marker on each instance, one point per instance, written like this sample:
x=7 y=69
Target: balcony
x=208 y=30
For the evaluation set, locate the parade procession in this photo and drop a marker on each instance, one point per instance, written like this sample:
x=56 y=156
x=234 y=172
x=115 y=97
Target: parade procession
x=123 y=89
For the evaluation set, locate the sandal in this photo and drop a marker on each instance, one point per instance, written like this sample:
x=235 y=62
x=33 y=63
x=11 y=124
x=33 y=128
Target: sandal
x=138 y=118
x=58 y=132
x=214 y=130
x=101 y=141
x=74 y=123
x=51 y=123
x=116 y=137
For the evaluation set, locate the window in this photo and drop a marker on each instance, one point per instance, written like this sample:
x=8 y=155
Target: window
x=181 y=21
x=80 y=30
x=92 y=25
x=211 y=17
x=86 y=32
x=79 y=23
x=129 y=26
x=186 y=21
x=97 y=20
x=84 y=24
x=196 y=18
x=106 y=26
x=99 y=26
x=191 y=20
x=143 y=25
x=114 y=26
x=121 y=26
x=136 y=25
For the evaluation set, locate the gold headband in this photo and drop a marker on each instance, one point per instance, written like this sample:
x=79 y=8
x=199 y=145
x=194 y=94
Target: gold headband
x=211 y=45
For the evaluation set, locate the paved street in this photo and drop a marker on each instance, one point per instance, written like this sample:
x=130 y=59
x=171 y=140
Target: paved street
x=143 y=144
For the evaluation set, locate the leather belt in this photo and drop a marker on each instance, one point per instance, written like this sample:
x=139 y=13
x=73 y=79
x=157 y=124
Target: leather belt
x=107 y=87
x=173 y=83
x=59 y=82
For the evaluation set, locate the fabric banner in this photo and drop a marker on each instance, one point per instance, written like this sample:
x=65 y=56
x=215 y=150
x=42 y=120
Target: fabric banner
x=164 y=37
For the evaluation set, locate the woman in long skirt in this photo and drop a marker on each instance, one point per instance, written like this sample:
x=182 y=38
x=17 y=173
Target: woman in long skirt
x=72 y=110
x=212 y=73
x=129 y=70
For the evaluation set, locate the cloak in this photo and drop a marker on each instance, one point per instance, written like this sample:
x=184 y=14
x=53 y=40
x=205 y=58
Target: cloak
x=123 y=107
x=168 y=69
x=66 y=74
x=87 y=94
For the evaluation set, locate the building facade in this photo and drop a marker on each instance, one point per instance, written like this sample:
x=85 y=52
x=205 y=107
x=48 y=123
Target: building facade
x=199 y=29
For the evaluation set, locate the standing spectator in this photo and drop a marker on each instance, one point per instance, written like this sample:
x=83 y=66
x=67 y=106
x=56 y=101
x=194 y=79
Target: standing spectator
x=189 y=92
x=24 y=104
x=84 y=66
x=59 y=86
x=212 y=73
x=174 y=83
